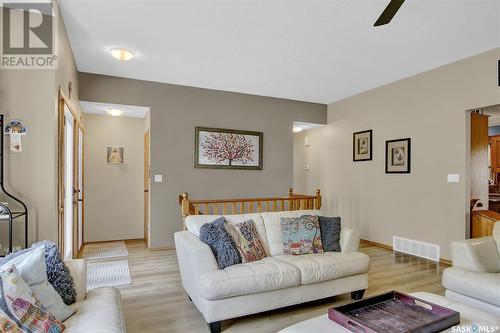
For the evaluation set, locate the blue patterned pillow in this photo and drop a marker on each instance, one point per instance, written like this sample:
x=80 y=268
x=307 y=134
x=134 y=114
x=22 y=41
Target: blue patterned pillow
x=301 y=235
x=215 y=235
x=330 y=233
x=58 y=273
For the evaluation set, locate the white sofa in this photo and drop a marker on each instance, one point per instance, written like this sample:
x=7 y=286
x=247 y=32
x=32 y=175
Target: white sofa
x=273 y=282
x=474 y=278
x=99 y=310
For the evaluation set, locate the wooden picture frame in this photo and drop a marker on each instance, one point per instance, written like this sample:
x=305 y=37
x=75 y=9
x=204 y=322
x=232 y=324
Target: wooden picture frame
x=209 y=154
x=398 y=156
x=362 y=146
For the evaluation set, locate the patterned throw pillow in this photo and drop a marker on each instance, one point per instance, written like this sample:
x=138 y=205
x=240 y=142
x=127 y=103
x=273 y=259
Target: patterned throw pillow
x=20 y=311
x=301 y=235
x=330 y=233
x=247 y=241
x=215 y=235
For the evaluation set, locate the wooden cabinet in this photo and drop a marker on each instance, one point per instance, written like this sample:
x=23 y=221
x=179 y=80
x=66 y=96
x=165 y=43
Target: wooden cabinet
x=482 y=222
x=479 y=158
x=495 y=153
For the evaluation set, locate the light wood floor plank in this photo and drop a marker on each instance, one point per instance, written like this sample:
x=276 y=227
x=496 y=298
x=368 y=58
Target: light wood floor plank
x=157 y=303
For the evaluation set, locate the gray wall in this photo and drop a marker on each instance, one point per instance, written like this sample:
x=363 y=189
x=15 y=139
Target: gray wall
x=114 y=205
x=175 y=111
x=431 y=109
x=32 y=96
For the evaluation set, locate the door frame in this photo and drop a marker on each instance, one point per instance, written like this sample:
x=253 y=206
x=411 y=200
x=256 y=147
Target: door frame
x=82 y=187
x=62 y=103
x=147 y=186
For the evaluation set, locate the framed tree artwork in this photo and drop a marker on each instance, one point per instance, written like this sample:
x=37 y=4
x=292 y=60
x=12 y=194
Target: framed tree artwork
x=217 y=148
x=362 y=146
x=398 y=156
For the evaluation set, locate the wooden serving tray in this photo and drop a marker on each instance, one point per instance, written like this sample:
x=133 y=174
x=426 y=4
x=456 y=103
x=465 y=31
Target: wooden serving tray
x=394 y=312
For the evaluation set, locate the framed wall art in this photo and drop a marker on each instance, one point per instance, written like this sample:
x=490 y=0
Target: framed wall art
x=362 y=145
x=217 y=148
x=398 y=156
x=114 y=155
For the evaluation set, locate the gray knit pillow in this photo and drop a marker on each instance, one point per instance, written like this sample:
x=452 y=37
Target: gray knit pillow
x=330 y=233
x=215 y=235
x=58 y=273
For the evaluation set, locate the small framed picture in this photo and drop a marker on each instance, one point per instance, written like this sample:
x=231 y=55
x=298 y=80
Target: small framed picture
x=362 y=146
x=398 y=156
x=114 y=155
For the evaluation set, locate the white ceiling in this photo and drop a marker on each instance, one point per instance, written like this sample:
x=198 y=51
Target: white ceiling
x=310 y=50
x=131 y=111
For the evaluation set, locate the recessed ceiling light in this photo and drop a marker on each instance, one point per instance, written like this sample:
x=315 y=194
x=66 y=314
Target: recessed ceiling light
x=122 y=54
x=115 y=112
x=297 y=129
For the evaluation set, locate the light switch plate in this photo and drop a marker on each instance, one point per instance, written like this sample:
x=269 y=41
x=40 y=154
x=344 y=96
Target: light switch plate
x=453 y=178
x=158 y=178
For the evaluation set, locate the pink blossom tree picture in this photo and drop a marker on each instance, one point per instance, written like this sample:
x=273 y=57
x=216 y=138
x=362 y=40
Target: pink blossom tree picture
x=229 y=149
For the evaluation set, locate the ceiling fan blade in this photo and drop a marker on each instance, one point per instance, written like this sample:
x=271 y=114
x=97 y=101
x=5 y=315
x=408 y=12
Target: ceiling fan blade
x=389 y=12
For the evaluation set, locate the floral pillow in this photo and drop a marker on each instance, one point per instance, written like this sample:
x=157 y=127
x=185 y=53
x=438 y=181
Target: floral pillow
x=247 y=241
x=301 y=235
x=20 y=311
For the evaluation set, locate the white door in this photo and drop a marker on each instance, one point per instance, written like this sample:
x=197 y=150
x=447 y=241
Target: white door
x=69 y=123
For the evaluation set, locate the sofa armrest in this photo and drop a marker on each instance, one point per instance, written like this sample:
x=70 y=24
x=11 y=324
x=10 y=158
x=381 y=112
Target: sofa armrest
x=78 y=269
x=349 y=240
x=477 y=255
x=194 y=258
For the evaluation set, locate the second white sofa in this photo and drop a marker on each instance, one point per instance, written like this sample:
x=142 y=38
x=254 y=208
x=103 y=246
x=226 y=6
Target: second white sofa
x=276 y=281
x=474 y=278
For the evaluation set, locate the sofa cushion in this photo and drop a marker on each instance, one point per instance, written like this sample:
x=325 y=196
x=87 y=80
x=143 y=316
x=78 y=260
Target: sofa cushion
x=249 y=278
x=301 y=235
x=330 y=233
x=482 y=286
x=101 y=312
x=319 y=267
x=247 y=241
x=194 y=223
x=273 y=227
x=215 y=235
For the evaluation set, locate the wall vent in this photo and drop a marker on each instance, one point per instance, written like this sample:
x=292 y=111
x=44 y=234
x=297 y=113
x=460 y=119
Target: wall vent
x=416 y=248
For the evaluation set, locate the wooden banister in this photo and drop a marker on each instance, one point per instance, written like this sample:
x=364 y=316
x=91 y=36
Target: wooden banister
x=249 y=205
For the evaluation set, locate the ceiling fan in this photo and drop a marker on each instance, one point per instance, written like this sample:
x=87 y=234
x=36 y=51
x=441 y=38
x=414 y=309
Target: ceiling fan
x=389 y=12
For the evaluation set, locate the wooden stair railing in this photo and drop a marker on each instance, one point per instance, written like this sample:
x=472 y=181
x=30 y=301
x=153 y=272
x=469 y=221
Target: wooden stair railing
x=249 y=205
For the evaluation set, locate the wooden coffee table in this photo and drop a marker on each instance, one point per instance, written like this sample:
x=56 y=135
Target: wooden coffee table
x=468 y=317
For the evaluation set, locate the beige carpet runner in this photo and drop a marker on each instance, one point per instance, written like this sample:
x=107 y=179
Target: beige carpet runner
x=108 y=274
x=105 y=250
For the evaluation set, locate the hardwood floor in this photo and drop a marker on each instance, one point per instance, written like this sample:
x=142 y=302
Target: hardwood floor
x=156 y=301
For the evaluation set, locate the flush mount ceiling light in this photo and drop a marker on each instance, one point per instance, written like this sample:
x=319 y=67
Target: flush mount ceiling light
x=297 y=129
x=115 y=112
x=122 y=54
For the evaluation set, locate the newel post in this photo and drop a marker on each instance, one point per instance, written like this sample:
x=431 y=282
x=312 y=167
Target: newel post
x=185 y=208
x=318 y=199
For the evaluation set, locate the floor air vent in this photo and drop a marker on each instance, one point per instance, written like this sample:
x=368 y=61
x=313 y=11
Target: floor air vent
x=416 y=248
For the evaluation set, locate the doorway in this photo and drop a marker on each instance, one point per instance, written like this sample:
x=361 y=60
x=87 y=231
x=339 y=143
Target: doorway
x=484 y=170
x=70 y=197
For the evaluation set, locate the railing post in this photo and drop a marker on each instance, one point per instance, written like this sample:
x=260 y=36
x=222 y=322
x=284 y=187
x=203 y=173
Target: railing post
x=318 y=199
x=185 y=209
